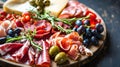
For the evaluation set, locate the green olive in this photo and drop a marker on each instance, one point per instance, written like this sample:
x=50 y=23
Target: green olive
x=54 y=50
x=60 y=58
x=47 y=3
x=32 y=2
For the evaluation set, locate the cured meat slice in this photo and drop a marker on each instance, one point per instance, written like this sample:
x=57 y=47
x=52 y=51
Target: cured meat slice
x=18 y=55
x=8 y=47
x=44 y=59
x=65 y=44
x=73 y=9
x=43 y=24
x=74 y=36
x=43 y=28
x=37 y=52
x=31 y=56
x=55 y=35
x=85 y=51
x=2 y=31
x=73 y=53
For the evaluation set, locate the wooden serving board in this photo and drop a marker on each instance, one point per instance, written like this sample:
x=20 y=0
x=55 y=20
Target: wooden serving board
x=83 y=60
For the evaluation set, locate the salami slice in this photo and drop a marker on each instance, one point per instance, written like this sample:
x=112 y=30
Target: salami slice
x=44 y=59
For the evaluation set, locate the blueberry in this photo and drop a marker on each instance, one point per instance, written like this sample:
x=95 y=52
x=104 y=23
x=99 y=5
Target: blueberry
x=11 y=33
x=2 y=40
x=87 y=22
x=17 y=31
x=74 y=29
x=86 y=42
x=99 y=36
x=94 y=40
x=78 y=22
x=81 y=29
x=96 y=34
x=99 y=28
x=88 y=32
x=84 y=36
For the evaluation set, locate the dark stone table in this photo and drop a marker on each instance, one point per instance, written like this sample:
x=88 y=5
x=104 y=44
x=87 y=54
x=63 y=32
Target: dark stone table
x=109 y=10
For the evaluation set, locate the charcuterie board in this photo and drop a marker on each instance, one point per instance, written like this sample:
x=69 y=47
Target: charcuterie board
x=84 y=57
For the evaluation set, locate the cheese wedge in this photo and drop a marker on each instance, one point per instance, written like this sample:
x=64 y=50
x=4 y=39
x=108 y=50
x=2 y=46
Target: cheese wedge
x=19 y=6
x=56 y=7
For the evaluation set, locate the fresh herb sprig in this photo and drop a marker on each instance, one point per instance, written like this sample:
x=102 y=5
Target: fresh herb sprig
x=14 y=39
x=53 y=20
x=29 y=35
x=71 y=20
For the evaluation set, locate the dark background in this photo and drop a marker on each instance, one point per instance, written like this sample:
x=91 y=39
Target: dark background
x=109 y=10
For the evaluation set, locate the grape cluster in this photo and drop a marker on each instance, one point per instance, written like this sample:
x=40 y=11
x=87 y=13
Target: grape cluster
x=90 y=35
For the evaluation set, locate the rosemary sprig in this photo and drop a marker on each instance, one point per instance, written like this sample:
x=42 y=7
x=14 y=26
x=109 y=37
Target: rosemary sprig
x=53 y=20
x=25 y=35
x=29 y=36
x=67 y=31
x=71 y=20
x=14 y=39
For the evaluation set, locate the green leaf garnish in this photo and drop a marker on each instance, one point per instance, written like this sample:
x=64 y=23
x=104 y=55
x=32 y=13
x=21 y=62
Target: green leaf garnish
x=14 y=39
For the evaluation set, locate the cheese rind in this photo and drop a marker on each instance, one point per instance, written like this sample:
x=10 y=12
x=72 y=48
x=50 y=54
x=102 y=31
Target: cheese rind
x=19 y=6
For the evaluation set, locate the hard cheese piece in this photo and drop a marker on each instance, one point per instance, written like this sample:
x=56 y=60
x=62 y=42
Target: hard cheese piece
x=19 y=6
x=56 y=7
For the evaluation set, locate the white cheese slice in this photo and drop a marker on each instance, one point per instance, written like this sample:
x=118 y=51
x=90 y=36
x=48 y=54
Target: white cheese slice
x=19 y=6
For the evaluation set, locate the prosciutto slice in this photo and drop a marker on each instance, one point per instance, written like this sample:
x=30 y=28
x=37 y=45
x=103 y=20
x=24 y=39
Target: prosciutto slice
x=9 y=47
x=73 y=53
x=44 y=59
x=18 y=55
